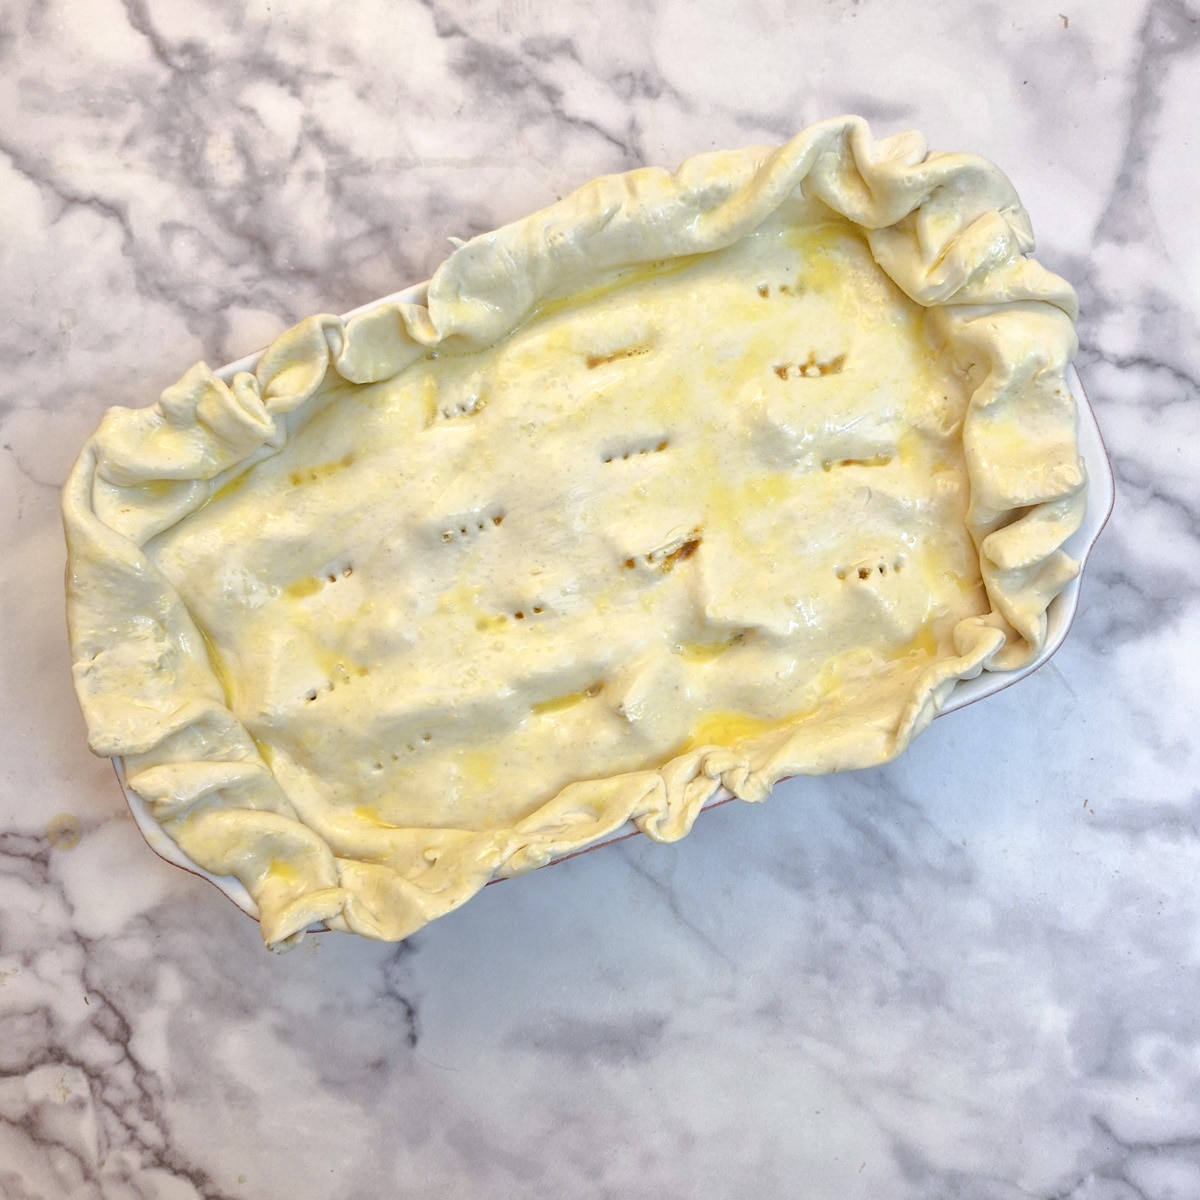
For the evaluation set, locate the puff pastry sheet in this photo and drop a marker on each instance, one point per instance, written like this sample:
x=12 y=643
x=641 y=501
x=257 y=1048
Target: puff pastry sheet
x=948 y=229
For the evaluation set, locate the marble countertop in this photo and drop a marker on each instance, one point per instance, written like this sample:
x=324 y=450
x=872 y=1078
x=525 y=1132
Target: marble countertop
x=970 y=973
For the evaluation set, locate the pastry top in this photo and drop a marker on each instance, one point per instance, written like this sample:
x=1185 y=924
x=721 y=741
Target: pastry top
x=689 y=480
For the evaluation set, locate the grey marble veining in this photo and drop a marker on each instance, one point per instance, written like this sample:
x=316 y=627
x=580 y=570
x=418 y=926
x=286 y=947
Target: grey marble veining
x=970 y=973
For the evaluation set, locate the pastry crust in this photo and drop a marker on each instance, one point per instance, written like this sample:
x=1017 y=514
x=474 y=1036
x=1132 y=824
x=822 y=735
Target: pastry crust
x=948 y=231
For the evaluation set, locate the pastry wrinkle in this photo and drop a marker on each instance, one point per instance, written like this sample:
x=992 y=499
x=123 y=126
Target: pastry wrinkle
x=691 y=481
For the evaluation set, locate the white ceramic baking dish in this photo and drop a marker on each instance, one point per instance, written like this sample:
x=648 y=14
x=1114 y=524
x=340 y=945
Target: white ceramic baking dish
x=1061 y=613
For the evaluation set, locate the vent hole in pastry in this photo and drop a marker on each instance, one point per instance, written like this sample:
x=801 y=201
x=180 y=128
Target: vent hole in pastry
x=665 y=561
x=330 y=575
x=811 y=367
x=764 y=290
x=518 y=615
x=310 y=695
x=538 y=609
x=840 y=572
x=475 y=525
x=864 y=572
x=599 y=360
x=320 y=471
x=637 y=450
x=680 y=554
x=467 y=407
x=878 y=460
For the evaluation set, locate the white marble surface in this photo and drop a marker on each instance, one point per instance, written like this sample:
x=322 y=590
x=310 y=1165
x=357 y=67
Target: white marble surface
x=972 y=973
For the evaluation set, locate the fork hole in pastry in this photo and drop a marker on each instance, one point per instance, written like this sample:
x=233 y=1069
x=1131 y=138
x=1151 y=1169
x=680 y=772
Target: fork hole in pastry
x=680 y=554
x=865 y=572
x=316 y=474
x=637 y=450
x=334 y=574
x=599 y=360
x=878 y=460
x=665 y=562
x=811 y=368
x=464 y=408
x=474 y=526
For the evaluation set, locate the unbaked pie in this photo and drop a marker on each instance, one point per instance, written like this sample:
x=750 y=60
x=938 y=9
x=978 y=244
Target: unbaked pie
x=689 y=481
